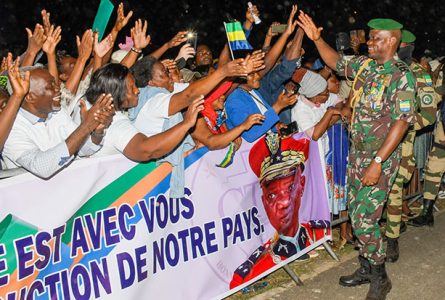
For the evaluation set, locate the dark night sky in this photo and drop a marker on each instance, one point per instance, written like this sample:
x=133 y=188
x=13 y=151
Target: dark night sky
x=425 y=18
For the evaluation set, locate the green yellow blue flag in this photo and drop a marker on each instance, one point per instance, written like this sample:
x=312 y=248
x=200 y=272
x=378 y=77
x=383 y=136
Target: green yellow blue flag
x=236 y=37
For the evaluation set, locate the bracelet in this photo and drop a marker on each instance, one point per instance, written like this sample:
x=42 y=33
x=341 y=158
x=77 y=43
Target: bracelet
x=138 y=51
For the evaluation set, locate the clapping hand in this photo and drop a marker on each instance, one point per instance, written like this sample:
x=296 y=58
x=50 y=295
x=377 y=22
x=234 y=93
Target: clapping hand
x=20 y=84
x=53 y=38
x=102 y=48
x=36 y=38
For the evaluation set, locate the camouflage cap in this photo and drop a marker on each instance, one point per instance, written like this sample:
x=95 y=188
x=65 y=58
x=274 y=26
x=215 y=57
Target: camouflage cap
x=407 y=36
x=384 y=24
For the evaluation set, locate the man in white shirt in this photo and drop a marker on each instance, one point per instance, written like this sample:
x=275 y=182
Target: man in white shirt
x=44 y=139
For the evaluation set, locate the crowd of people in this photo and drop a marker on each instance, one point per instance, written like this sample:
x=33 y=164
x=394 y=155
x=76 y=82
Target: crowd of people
x=364 y=109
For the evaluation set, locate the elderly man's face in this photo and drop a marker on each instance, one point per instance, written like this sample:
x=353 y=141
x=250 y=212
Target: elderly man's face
x=44 y=91
x=281 y=200
x=379 y=44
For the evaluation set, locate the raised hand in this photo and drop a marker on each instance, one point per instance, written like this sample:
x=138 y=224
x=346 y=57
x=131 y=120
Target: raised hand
x=20 y=85
x=192 y=112
x=235 y=68
x=139 y=35
x=100 y=49
x=4 y=65
x=255 y=62
x=53 y=38
x=285 y=100
x=291 y=24
x=269 y=31
x=178 y=39
x=249 y=16
x=36 y=38
x=253 y=120
x=46 y=21
x=121 y=19
x=173 y=71
x=85 y=45
x=312 y=31
x=186 y=52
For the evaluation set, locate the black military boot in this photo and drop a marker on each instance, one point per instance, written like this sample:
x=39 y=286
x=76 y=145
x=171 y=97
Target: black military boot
x=380 y=283
x=392 y=250
x=360 y=276
x=426 y=218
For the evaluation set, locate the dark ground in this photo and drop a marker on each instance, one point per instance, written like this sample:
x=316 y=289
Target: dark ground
x=419 y=273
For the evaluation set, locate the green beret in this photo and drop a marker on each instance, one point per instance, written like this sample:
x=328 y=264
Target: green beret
x=407 y=37
x=384 y=24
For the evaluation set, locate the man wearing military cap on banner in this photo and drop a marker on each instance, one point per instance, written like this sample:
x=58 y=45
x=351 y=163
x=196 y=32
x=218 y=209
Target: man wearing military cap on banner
x=279 y=165
x=425 y=114
x=381 y=108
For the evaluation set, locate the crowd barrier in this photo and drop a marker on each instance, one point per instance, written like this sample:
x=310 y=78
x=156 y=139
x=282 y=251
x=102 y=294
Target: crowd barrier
x=106 y=228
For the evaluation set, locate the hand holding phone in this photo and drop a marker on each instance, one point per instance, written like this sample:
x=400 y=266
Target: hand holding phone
x=280 y=28
x=290 y=129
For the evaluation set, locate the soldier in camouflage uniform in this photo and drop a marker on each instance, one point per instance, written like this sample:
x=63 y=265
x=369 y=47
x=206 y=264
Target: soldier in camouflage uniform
x=425 y=114
x=435 y=166
x=383 y=104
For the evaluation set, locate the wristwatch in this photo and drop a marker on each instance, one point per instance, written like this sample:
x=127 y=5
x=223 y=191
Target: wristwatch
x=378 y=159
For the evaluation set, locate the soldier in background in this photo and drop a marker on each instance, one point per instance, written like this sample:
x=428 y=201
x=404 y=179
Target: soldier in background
x=382 y=104
x=425 y=114
x=435 y=166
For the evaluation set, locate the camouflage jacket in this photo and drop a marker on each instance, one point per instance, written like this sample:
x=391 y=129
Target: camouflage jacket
x=388 y=95
x=426 y=97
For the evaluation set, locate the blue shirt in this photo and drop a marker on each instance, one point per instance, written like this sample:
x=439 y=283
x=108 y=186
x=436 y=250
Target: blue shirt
x=272 y=84
x=240 y=105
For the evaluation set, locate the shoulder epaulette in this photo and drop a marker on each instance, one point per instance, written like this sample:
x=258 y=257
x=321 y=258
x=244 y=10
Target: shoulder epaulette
x=401 y=66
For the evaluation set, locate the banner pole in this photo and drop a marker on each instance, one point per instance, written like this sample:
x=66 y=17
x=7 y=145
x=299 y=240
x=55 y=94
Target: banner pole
x=292 y=275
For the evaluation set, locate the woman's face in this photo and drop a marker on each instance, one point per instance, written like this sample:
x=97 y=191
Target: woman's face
x=253 y=80
x=161 y=77
x=333 y=84
x=218 y=104
x=131 y=99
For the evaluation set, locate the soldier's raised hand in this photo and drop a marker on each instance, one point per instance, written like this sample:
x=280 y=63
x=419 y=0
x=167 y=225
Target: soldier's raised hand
x=312 y=31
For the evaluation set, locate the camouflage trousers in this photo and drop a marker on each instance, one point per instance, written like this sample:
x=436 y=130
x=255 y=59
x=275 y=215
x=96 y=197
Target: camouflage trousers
x=435 y=167
x=395 y=199
x=366 y=203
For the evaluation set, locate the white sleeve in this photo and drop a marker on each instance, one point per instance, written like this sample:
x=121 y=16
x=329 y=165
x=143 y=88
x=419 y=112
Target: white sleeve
x=120 y=133
x=303 y=116
x=156 y=107
x=332 y=100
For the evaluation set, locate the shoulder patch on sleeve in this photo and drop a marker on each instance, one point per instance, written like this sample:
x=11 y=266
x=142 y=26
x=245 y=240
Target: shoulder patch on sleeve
x=427 y=96
x=405 y=103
